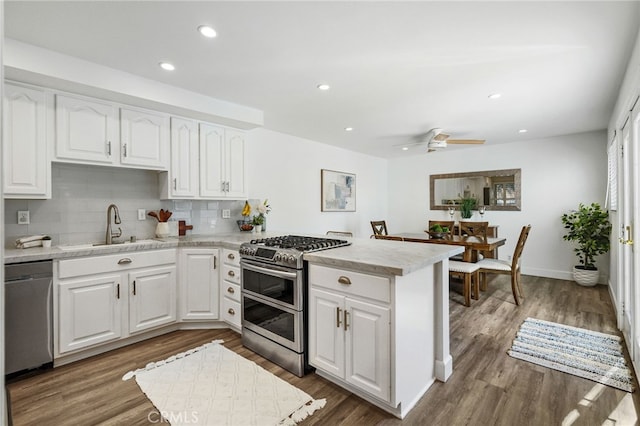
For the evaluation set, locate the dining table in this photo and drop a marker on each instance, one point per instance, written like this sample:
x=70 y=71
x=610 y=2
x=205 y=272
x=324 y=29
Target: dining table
x=472 y=245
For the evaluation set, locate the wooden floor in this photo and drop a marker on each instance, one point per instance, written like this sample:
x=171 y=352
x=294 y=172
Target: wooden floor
x=487 y=386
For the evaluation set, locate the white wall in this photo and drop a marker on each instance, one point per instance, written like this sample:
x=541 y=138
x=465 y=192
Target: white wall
x=286 y=170
x=557 y=174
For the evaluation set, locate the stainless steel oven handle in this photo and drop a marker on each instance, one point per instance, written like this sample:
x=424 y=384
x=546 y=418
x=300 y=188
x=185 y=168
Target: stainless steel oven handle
x=267 y=271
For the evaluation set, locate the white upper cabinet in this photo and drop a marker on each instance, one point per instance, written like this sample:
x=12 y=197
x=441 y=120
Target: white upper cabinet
x=86 y=130
x=27 y=171
x=212 y=177
x=221 y=162
x=144 y=139
x=92 y=131
x=183 y=176
x=206 y=162
x=234 y=164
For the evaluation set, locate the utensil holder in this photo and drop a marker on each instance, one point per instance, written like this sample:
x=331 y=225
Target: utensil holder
x=162 y=230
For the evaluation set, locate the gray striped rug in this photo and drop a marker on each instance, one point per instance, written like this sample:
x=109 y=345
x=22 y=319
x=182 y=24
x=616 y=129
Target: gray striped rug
x=583 y=353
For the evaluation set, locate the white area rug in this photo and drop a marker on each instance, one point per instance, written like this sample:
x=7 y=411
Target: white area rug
x=583 y=353
x=211 y=385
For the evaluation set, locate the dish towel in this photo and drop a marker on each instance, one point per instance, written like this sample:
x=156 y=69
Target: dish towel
x=29 y=241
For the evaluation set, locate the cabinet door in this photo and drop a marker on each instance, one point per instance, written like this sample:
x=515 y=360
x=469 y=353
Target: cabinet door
x=234 y=164
x=144 y=139
x=152 y=298
x=90 y=311
x=212 y=178
x=86 y=130
x=26 y=169
x=184 y=158
x=368 y=347
x=199 y=284
x=326 y=335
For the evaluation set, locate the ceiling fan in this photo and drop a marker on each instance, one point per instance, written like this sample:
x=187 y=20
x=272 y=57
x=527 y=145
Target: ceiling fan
x=435 y=140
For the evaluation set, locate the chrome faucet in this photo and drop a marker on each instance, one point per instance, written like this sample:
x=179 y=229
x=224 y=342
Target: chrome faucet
x=116 y=219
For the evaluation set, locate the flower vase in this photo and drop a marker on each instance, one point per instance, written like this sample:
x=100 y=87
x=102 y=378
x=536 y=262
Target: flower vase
x=257 y=229
x=162 y=230
x=264 y=224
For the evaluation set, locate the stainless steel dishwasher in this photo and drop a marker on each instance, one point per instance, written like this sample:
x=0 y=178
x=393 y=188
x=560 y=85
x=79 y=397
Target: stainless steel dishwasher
x=28 y=316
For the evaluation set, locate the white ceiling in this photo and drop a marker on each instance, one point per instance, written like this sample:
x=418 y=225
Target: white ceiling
x=396 y=69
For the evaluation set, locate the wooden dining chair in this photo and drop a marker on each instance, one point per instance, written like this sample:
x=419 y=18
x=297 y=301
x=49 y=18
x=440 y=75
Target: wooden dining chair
x=497 y=266
x=340 y=234
x=470 y=277
x=444 y=223
x=388 y=237
x=379 y=227
x=474 y=229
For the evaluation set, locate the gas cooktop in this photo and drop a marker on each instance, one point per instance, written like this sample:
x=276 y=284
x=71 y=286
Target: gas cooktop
x=287 y=250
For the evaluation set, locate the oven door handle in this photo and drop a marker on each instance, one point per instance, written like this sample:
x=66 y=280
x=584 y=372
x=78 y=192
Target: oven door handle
x=267 y=271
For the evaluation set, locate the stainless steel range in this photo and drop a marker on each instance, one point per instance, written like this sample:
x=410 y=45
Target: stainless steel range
x=274 y=297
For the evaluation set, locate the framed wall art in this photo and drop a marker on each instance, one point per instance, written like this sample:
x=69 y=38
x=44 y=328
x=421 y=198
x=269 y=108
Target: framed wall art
x=338 y=191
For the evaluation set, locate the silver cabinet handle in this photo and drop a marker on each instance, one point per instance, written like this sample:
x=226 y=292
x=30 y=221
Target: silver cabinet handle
x=228 y=186
x=338 y=317
x=118 y=291
x=346 y=317
x=109 y=148
x=231 y=290
x=124 y=261
x=124 y=150
x=231 y=274
x=344 y=280
x=175 y=184
x=222 y=186
x=134 y=291
x=231 y=256
x=215 y=262
x=231 y=311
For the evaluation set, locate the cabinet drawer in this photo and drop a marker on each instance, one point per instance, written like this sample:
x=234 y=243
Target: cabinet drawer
x=114 y=262
x=231 y=257
x=231 y=273
x=231 y=290
x=231 y=311
x=355 y=283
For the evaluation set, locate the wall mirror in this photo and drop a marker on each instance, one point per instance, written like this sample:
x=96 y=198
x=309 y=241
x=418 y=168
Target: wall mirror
x=495 y=189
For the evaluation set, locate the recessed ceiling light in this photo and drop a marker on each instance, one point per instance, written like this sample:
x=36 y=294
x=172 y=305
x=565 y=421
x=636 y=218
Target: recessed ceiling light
x=207 y=31
x=324 y=86
x=405 y=148
x=494 y=95
x=522 y=131
x=167 y=66
x=348 y=129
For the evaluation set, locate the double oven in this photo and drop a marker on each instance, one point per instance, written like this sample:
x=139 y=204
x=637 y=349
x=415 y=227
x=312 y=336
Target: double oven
x=274 y=298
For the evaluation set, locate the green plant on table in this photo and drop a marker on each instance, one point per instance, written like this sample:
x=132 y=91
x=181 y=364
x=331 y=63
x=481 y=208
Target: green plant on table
x=466 y=207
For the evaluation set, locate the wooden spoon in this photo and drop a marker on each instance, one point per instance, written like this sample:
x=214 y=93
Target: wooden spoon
x=154 y=214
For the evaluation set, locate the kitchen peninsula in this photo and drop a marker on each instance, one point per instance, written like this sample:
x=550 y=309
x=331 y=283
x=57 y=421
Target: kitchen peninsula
x=391 y=342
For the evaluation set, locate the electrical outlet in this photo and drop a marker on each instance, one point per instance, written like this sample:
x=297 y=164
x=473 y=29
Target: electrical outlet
x=141 y=215
x=226 y=213
x=23 y=217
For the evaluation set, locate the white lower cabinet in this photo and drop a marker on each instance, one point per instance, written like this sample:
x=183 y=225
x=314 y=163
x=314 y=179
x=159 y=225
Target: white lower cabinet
x=350 y=335
x=90 y=311
x=230 y=288
x=106 y=298
x=199 y=284
x=152 y=298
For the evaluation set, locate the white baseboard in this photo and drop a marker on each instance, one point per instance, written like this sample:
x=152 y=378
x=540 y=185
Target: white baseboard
x=559 y=275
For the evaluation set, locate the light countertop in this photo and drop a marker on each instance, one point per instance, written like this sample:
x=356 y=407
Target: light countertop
x=366 y=255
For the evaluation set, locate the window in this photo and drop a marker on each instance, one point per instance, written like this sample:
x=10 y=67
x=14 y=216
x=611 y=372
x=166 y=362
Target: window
x=505 y=193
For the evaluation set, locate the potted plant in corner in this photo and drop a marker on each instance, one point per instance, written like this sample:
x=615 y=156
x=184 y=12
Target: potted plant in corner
x=589 y=228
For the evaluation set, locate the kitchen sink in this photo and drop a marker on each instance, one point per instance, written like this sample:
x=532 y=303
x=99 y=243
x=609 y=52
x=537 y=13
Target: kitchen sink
x=103 y=245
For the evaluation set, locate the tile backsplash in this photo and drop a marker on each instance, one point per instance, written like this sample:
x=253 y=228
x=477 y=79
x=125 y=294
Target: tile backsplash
x=77 y=211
